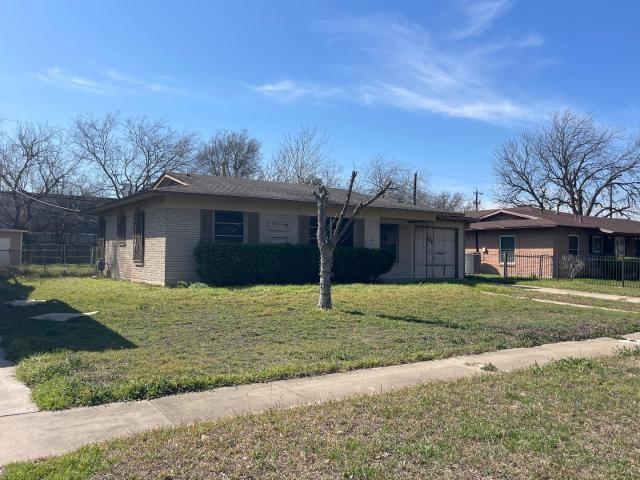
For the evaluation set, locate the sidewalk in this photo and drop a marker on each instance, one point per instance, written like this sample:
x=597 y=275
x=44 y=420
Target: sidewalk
x=579 y=293
x=15 y=397
x=33 y=435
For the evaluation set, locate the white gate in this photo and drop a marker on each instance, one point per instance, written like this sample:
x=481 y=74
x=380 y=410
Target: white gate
x=435 y=252
x=5 y=252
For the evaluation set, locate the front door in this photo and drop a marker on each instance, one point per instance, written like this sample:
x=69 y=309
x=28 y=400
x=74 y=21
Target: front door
x=620 y=247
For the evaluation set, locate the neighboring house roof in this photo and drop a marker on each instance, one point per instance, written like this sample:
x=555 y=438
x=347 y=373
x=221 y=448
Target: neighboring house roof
x=191 y=184
x=532 y=217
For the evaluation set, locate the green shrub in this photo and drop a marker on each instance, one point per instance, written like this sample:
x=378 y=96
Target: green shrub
x=251 y=264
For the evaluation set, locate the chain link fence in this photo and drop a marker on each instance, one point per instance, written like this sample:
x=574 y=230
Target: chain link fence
x=50 y=259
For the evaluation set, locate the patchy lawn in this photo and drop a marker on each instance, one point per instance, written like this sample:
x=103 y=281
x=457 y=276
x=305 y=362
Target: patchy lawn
x=570 y=419
x=149 y=341
x=581 y=284
x=566 y=298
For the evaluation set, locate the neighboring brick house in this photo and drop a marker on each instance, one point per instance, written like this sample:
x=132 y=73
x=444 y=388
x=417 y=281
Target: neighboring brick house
x=150 y=237
x=528 y=231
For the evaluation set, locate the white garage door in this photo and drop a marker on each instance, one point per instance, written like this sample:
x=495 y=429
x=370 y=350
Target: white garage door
x=5 y=254
x=435 y=252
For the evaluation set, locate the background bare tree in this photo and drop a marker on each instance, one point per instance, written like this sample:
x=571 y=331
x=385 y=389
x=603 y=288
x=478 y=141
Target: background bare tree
x=303 y=158
x=33 y=164
x=570 y=164
x=130 y=155
x=447 y=202
x=382 y=170
x=230 y=154
x=330 y=233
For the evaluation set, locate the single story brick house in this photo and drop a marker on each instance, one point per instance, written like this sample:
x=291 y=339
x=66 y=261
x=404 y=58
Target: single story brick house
x=150 y=236
x=532 y=231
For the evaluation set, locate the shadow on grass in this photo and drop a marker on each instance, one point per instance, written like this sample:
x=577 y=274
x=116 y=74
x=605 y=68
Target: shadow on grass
x=22 y=337
x=409 y=319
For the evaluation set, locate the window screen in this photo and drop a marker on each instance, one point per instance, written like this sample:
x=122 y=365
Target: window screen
x=389 y=233
x=573 y=244
x=229 y=226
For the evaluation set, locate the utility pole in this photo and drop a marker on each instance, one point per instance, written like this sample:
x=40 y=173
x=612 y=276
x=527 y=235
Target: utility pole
x=611 y=201
x=477 y=199
x=415 y=188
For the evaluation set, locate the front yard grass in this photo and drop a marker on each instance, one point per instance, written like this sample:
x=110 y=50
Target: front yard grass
x=149 y=341
x=570 y=419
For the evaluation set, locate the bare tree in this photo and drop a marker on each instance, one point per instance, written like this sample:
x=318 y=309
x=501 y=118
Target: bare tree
x=33 y=164
x=130 y=155
x=446 y=201
x=302 y=158
x=329 y=234
x=382 y=170
x=571 y=164
x=230 y=154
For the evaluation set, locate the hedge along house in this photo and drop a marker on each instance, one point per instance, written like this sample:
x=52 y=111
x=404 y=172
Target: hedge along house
x=150 y=236
x=530 y=231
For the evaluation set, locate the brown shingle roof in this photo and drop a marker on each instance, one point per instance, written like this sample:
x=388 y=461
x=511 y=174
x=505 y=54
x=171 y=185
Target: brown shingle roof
x=260 y=189
x=547 y=219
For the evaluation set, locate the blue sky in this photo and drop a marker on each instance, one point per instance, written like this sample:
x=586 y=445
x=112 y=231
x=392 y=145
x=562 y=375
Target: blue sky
x=435 y=85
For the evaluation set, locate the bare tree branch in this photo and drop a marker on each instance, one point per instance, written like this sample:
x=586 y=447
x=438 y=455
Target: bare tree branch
x=572 y=164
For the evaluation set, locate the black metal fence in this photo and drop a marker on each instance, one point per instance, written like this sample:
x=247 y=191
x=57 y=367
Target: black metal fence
x=603 y=270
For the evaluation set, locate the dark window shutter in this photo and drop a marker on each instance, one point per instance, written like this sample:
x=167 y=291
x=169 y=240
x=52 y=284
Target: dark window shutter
x=253 y=227
x=206 y=225
x=358 y=232
x=303 y=229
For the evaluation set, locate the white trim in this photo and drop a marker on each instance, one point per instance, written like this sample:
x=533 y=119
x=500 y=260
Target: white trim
x=166 y=175
x=569 y=247
x=507 y=212
x=500 y=249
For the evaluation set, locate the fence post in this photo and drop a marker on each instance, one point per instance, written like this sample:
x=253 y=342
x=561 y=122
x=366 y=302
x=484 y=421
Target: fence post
x=505 y=271
x=622 y=273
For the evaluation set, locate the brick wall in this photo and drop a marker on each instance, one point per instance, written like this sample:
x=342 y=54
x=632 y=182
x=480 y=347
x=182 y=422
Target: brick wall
x=119 y=254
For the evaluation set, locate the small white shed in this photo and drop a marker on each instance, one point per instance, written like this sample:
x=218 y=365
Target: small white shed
x=10 y=247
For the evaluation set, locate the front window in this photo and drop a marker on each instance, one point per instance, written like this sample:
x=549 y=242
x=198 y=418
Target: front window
x=573 y=244
x=138 y=236
x=389 y=233
x=122 y=228
x=347 y=239
x=596 y=244
x=229 y=226
x=507 y=248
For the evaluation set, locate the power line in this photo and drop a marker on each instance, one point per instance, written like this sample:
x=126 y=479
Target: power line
x=42 y=201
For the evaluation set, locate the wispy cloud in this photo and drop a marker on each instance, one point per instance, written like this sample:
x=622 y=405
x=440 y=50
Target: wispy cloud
x=112 y=83
x=289 y=90
x=480 y=15
x=58 y=76
x=409 y=68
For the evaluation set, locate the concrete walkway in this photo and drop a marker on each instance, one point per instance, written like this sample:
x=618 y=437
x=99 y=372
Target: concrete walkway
x=34 y=435
x=556 y=302
x=579 y=293
x=15 y=397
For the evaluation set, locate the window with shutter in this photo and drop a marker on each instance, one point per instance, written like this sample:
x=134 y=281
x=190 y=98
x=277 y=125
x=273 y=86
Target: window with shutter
x=138 y=236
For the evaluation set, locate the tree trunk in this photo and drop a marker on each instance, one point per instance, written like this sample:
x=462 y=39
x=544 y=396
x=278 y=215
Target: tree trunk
x=326 y=268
